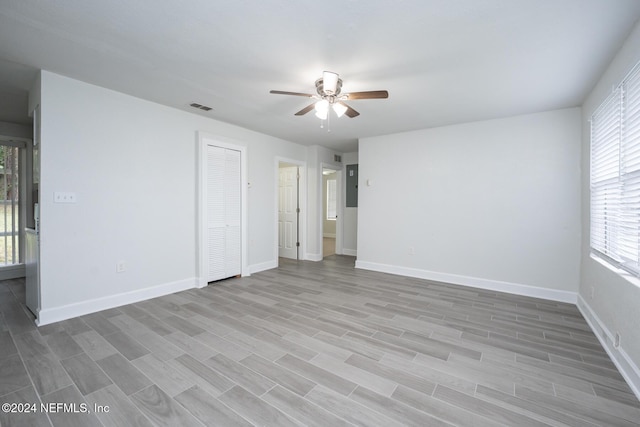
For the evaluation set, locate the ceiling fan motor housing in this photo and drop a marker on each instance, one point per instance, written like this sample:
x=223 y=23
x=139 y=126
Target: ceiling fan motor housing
x=322 y=92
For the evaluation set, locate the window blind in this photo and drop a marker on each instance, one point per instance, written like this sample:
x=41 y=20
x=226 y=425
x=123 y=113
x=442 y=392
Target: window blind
x=615 y=175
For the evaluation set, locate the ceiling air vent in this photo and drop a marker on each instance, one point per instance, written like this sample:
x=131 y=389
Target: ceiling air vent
x=200 y=106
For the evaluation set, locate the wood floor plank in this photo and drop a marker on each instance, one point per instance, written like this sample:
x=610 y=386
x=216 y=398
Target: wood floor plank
x=213 y=379
x=484 y=408
x=121 y=412
x=62 y=345
x=367 y=379
x=391 y=373
x=126 y=345
x=395 y=409
x=123 y=373
x=353 y=412
x=190 y=346
x=13 y=375
x=7 y=346
x=163 y=374
x=16 y=418
x=255 y=409
x=43 y=367
x=301 y=410
x=528 y=408
x=74 y=414
x=240 y=374
x=162 y=409
x=93 y=344
x=580 y=410
x=209 y=410
x=440 y=409
x=316 y=374
x=85 y=373
x=278 y=374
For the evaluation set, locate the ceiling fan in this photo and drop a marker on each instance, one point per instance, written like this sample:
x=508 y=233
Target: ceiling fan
x=328 y=96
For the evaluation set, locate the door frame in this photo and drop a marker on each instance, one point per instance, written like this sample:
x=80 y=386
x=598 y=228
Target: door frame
x=339 y=207
x=302 y=202
x=17 y=269
x=205 y=139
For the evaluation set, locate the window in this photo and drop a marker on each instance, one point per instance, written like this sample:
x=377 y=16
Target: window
x=9 y=203
x=331 y=199
x=615 y=176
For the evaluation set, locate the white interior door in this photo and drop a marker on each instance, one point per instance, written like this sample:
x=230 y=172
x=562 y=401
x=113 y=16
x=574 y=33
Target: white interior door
x=223 y=213
x=287 y=212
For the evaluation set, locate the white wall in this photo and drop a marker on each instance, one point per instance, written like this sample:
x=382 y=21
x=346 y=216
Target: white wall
x=133 y=166
x=494 y=204
x=349 y=215
x=615 y=306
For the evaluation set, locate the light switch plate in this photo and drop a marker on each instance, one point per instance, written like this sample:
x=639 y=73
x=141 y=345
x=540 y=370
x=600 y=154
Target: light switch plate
x=64 y=197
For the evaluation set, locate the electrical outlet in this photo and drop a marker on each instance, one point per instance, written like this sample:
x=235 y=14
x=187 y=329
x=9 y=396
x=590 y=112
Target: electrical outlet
x=412 y=251
x=592 y=292
x=121 y=266
x=616 y=343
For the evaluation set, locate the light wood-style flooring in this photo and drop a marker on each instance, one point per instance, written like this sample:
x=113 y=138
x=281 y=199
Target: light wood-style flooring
x=318 y=344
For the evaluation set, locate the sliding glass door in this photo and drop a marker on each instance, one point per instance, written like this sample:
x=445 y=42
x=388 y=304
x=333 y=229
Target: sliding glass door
x=10 y=223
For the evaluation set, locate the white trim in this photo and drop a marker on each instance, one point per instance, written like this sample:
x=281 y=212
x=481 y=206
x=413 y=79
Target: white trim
x=350 y=252
x=205 y=139
x=475 y=282
x=56 y=314
x=15 y=271
x=629 y=370
x=313 y=257
x=268 y=265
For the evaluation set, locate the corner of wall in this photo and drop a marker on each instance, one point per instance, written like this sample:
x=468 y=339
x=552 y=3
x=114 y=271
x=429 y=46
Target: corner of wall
x=629 y=370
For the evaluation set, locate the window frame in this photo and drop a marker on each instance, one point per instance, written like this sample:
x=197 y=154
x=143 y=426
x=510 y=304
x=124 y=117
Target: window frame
x=615 y=177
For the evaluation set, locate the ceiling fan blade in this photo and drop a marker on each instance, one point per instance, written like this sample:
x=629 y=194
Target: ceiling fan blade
x=282 y=92
x=305 y=110
x=350 y=111
x=372 y=94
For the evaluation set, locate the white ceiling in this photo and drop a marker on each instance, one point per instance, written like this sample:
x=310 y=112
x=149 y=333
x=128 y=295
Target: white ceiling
x=442 y=61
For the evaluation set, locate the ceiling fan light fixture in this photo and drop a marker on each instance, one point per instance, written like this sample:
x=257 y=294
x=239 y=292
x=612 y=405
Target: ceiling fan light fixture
x=339 y=108
x=322 y=109
x=330 y=82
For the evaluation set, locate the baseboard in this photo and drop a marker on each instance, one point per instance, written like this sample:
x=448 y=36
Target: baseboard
x=629 y=370
x=350 y=252
x=56 y=314
x=12 y=272
x=256 y=268
x=313 y=257
x=494 y=285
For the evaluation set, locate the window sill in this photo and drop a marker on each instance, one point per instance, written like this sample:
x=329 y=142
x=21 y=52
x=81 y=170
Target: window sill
x=617 y=270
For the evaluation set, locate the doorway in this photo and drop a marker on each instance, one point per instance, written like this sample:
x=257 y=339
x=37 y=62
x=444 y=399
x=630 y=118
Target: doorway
x=290 y=213
x=331 y=212
x=222 y=235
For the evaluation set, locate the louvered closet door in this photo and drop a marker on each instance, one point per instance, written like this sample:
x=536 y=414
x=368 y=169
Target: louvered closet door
x=223 y=212
x=232 y=213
